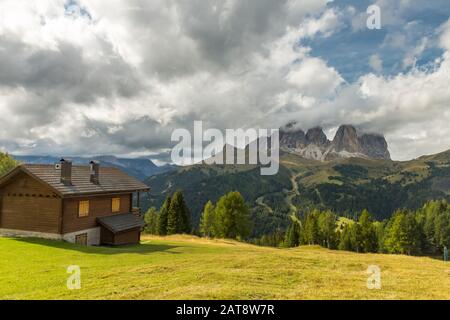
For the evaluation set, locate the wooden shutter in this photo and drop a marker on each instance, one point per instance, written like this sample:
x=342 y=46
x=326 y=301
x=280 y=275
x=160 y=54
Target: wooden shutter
x=83 y=208
x=115 y=205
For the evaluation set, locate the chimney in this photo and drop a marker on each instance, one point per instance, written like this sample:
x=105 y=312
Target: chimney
x=66 y=172
x=94 y=170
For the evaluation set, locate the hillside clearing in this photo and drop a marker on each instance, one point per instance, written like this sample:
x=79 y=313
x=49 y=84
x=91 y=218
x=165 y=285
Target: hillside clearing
x=182 y=267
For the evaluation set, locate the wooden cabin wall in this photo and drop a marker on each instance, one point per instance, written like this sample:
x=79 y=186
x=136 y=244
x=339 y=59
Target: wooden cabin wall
x=27 y=204
x=99 y=206
x=106 y=236
x=128 y=237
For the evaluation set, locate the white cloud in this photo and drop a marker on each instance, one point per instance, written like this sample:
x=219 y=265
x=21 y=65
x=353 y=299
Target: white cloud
x=326 y=24
x=106 y=71
x=411 y=57
x=445 y=35
x=117 y=76
x=314 y=78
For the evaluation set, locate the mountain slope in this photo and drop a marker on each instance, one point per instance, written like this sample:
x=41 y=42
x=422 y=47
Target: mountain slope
x=201 y=183
x=346 y=186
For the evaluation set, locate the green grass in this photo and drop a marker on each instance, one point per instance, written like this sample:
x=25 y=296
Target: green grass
x=190 y=268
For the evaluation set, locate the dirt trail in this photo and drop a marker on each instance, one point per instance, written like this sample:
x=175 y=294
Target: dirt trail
x=294 y=192
x=260 y=201
x=291 y=194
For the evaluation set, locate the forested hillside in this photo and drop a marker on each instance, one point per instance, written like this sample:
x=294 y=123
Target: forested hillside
x=345 y=186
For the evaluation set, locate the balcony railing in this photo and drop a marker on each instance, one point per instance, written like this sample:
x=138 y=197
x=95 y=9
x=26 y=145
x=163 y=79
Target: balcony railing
x=136 y=211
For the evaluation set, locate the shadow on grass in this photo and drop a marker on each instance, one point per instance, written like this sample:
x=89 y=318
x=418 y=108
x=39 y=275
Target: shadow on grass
x=146 y=248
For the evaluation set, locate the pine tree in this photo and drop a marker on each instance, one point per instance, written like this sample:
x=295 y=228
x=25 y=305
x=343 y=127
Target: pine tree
x=292 y=238
x=380 y=228
x=207 y=220
x=151 y=221
x=369 y=240
x=162 y=219
x=311 y=229
x=345 y=241
x=403 y=234
x=327 y=229
x=178 y=215
x=232 y=217
x=356 y=237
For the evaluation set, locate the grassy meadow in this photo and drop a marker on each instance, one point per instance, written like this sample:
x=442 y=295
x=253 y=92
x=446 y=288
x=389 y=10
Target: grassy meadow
x=182 y=267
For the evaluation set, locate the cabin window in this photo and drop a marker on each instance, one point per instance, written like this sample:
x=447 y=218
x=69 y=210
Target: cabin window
x=83 y=208
x=81 y=239
x=115 y=204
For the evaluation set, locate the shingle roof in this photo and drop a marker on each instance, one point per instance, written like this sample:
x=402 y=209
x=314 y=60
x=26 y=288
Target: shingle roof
x=121 y=222
x=111 y=180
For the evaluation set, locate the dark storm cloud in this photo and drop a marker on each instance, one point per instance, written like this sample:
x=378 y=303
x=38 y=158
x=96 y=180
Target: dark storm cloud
x=118 y=76
x=65 y=71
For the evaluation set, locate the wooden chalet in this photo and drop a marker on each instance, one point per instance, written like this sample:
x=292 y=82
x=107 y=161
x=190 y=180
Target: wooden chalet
x=88 y=205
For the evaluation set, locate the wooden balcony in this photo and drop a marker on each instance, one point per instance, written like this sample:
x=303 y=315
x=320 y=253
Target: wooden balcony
x=136 y=211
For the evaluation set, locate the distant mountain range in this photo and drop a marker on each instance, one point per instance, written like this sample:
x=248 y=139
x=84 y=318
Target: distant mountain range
x=347 y=143
x=139 y=168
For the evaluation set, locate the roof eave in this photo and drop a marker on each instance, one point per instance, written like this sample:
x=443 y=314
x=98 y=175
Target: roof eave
x=21 y=168
x=105 y=225
x=98 y=193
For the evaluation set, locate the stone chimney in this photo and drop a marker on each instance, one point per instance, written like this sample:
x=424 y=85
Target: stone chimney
x=94 y=172
x=66 y=172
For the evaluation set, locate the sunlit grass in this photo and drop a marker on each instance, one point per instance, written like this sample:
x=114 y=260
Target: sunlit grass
x=182 y=267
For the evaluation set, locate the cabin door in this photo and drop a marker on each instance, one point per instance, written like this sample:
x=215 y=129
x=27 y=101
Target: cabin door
x=81 y=239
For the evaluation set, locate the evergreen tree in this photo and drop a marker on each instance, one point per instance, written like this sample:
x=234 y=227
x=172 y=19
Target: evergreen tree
x=207 y=220
x=178 y=215
x=369 y=239
x=434 y=218
x=345 y=243
x=413 y=244
x=403 y=234
x=356 y=237
x=292 y=238
x=151 y=221
x=442 y=231
x=380 y=229
x=6 y=163
x=428 y=215
x=311 y=229
x=327 y=229
x=232 y=217
x=162 y=219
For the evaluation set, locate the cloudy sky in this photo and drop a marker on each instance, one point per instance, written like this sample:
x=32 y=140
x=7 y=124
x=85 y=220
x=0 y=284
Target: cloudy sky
x=116 y=77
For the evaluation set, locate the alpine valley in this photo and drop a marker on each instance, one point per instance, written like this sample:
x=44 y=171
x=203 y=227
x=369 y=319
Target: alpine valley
x=352 y=172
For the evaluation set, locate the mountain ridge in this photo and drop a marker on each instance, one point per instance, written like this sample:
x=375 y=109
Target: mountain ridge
x=343 y=185
x=347 y=143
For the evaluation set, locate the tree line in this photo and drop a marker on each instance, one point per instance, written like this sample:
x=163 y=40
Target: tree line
x=172 y=218
x=425 y=231
x=228 y=218
x=422 y=232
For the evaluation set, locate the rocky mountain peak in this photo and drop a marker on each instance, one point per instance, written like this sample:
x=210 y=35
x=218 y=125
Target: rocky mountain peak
x=346 y=139
x=291 y=137
x=316 y=136
x=375 y=146
x=348 y=142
